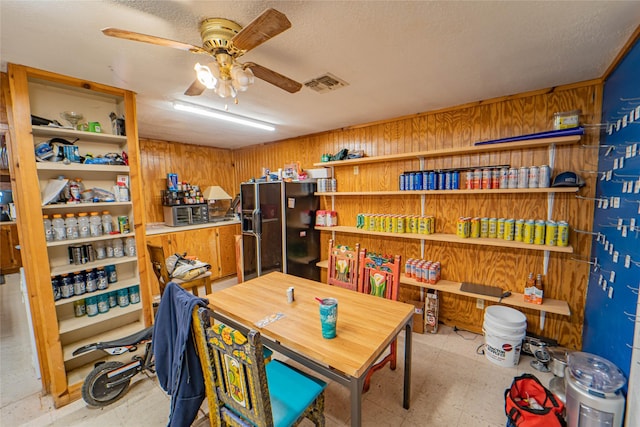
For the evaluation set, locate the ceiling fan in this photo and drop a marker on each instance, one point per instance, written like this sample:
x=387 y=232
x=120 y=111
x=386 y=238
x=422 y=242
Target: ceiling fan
x=226 y=41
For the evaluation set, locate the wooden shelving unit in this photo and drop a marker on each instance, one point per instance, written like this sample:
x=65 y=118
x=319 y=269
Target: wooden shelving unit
x=452 y=192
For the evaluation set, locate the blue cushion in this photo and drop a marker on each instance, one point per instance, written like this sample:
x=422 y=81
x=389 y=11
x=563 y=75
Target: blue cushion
x=291 y=392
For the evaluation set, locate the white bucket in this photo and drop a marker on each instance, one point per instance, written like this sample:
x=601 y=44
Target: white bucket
x=504 y=331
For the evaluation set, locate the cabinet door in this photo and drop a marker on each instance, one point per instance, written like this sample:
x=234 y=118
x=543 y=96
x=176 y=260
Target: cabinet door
x=227 y=251
x=10 y=260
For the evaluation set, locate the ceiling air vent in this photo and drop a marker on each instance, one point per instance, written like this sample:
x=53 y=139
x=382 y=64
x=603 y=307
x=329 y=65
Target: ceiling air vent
x=326 y=83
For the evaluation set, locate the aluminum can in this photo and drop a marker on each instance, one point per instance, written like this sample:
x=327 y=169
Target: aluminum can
x=518 y=230
x=468 y=180
x=371 y=224
x=412 y=224
x=509 y=227
x=91 y=255
x=123 y=224
x=401 y=184
x=504 y=178
x=563 y=233
x=495 y=178
x=433 y=273
x=76 y=254
x=551 y=233
x=512 y=178
x=534 y=177
x=423 y=225
x=417 y=183
x=486 y=179
x=412 y=180
x=441 y=178
x=400 y=228
x=377 y=223
x=432 y=224
x=545 y=176
x=500 y=232
x=461 y=229
x=425 y=180
x=447 y=180
x=475 y=227
x=407 y=267
x=477 y=179
x=523 y=177
x=388 y=224
x=528 y=231
x=484 y=227
x=455 y=180
x=493 y=228
x=431 y=181
x=538 y=232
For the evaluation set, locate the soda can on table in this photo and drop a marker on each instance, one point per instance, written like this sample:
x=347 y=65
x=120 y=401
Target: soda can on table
x=455 y=180
x=504 y=178
x=495 y=178
x=123 y=224
x=545 y=176
x=500 y=233
x=512 y=178
x=523 y=177
x=468 y=180
x=518 y=230
x=475 y=227
x=484 y=227
x=493 y=228
x=528 y=231
x=509 y=228
x=534 y=177
x=486 y=178
x=551 y=233
x=477 y=179
x=538 y=232
x=563 y=233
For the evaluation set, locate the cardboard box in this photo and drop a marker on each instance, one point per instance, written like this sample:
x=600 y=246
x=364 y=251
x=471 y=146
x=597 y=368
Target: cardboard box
x=431 y=312
x=418 y=316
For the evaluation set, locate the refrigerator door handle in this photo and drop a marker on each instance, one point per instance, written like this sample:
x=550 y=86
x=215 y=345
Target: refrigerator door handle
x=257 y=222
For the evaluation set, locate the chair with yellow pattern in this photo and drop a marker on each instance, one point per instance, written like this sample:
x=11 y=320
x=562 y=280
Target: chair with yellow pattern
x=380 y=276
x=343 y=266
x=244 y=391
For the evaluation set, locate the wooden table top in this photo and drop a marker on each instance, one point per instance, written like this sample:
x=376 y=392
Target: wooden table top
x=366 y=324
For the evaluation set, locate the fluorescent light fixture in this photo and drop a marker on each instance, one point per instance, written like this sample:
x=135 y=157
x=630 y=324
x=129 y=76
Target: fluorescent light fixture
x=216 y=114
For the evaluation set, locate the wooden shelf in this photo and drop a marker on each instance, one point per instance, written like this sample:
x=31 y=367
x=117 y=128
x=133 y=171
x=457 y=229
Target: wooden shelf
x=453 y=192
x=74 y=323
x=73 y=207
x=120 y=284
x=476 y=149
x=80 y=167
x=451 y=238
x=107 y=138
x=70 y=268
x=89 y=239
x=121 y=332
x=515 y=299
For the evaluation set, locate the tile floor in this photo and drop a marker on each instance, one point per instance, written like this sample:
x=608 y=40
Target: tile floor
x=452 y=385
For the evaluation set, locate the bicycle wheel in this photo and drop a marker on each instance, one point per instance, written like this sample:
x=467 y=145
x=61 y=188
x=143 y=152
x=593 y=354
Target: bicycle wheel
x=96 y=390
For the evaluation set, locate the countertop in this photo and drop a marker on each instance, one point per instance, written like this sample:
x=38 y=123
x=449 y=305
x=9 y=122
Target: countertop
x=161 y=228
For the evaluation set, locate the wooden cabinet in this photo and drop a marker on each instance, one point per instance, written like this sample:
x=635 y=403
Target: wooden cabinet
x=10 y=260
x=516 y=299
x=57 y=328
x=215 y=245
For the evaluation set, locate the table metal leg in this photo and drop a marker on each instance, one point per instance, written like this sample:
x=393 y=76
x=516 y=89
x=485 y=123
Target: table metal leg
x=406 y=401
x=355 y=389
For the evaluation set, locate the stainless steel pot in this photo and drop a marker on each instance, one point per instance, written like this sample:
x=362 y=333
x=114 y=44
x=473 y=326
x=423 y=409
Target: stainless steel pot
x=558 y=361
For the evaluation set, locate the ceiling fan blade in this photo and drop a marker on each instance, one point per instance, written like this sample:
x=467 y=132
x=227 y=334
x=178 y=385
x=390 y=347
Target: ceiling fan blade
x=139 y=37
x=274 y=78
x=269 y=24
x=195 y=89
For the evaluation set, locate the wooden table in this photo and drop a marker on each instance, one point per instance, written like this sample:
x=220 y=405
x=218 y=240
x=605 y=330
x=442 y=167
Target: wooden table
x=366 y=326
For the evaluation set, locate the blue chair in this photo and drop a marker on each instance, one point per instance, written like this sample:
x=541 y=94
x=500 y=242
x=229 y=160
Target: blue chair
x=244 y=391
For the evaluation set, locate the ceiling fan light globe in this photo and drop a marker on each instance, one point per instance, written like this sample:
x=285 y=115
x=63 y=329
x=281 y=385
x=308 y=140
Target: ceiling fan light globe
x=205 y=76
x=225 y=89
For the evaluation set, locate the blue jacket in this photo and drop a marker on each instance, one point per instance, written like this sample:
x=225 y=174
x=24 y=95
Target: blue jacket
x=177 y=363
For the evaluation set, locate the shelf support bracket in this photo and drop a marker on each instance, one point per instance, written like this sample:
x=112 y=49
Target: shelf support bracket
x=543 y=315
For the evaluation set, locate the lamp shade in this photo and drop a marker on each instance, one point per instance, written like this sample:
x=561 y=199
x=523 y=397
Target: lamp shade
x=215 y=192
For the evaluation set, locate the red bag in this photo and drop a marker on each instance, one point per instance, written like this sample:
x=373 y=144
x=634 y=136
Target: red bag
x=530 y=404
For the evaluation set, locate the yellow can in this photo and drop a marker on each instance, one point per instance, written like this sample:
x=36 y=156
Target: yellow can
x=518 y=231
x=401 y=222
x=500 y=233
x=423 y=225
x=551 y=233
x=509 y=227
x=475 y=227
x=538 y=232
x=432 y=224
x=493 y=228
x=563 y=233
x=528 y=231
x=389 y=224
x=394 y=223
x=484 y=227
x=461 y=230
x=371 y=224
x=412 y=224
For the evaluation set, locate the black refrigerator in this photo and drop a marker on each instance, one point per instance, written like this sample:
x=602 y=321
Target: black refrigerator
x=278 y=234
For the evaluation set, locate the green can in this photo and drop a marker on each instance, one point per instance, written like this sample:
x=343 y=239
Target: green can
x=538 y=232
x=551 y=233
x=563 y=233
x=518 y=230
x=484 y=227
x=509 y=227
x=528 y=231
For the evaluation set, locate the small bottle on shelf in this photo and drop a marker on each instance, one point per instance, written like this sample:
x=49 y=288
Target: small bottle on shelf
x=71 y=225
x=539 y=289
x=59 y=228
x=95 y=224
x=130 y=246
x=529 y=287
x=107 y=222
x=118 y=248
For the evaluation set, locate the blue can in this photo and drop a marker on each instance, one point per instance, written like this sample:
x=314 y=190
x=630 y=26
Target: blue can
x=425 y=180
x=440 y=185
x=455 y=180
x=447 y=180
x=417 y=181
x=401 y=182
x=431 y=182
x=412 y=179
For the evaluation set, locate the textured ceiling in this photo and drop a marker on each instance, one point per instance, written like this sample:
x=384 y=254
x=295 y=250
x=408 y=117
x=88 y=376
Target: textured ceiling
x=399 y=57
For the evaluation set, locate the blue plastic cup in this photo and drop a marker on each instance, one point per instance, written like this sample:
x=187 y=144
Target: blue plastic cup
x=329 y=317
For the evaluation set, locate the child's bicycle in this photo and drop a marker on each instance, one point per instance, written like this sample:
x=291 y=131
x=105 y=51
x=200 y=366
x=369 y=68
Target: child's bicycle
x=109 y=381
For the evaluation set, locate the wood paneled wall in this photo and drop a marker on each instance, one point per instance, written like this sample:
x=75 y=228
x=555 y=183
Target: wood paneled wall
x=461 y=127
x=195 y=164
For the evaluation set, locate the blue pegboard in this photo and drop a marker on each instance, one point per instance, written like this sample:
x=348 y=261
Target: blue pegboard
x=612 y=294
